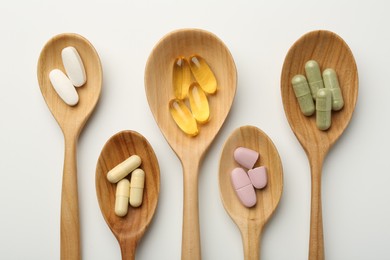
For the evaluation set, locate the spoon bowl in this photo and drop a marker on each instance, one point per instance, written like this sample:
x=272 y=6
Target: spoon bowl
x=70 y=118
x=190 y=150
x=71 y=121
x=251 y=221
x=330 y=51
x=128 y=229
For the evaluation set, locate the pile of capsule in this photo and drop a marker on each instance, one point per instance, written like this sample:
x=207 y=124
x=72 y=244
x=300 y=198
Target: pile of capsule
x=324 y=90
x=127 y=191
x=75 y=76
x=193 y=91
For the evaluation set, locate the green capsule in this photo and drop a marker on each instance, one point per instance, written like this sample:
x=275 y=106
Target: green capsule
x=314 y=77
x=331 y=82
x=323 y=108
x=303 y=95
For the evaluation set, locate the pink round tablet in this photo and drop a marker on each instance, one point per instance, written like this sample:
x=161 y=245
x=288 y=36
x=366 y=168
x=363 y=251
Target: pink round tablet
x=258 y=177
x=243 y=187
x=246 y=157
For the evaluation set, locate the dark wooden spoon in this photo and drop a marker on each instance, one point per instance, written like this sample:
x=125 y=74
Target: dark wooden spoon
x=129 y=229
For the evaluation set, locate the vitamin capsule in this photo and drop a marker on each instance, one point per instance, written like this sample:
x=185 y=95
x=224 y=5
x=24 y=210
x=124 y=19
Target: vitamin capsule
x=63 y=87
x=122 y=197
x=137 y=187
x=258 y=177
x=199 y=103
x=74 y=66
x=203 y=74
x=183 y=117
x=303 y=95
x=313 y=75
x=245 y=157
x=181 y=77
x=331 y=82
x=323 y=108
x=243 y=187
x=123 y=169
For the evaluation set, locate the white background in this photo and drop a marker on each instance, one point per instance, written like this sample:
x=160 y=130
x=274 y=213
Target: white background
x=356 y=176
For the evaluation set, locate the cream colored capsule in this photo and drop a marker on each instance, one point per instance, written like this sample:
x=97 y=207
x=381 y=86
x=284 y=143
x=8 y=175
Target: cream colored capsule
x=122 y=198
x=123 y=169
x=137 y=187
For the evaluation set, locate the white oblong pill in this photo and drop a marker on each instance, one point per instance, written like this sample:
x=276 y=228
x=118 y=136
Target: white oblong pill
x=74 y=66
x=64 y=87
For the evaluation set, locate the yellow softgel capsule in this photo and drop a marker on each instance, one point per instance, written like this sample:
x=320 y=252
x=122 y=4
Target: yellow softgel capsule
x=137 y=187
x=199 y=103
x=203 y=74
x=181 y=77
x=183 y=117
x=122 y=197
x=331 y=82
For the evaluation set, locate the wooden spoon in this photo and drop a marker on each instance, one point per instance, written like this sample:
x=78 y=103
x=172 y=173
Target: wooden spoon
x=71 y=121
x=251 y=221
x=129 y=229
x=330 y=51
x=190 y=150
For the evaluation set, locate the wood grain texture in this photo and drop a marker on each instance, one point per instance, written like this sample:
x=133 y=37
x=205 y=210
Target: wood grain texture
x=251 y=221
x=128 y=229
x=71 y=120
x=190 y=150
x=330 y=51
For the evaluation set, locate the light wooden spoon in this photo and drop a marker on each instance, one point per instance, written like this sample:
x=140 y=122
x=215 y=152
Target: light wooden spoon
x=251 y=221
x=71 y=121
x=190 y=150
x=129 y=229
x=330 y=51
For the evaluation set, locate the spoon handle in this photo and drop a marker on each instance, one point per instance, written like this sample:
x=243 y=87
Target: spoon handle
x=190 y=245
x=316 y=243
x=251 y=241
x=70 y=231
x=128 y=247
